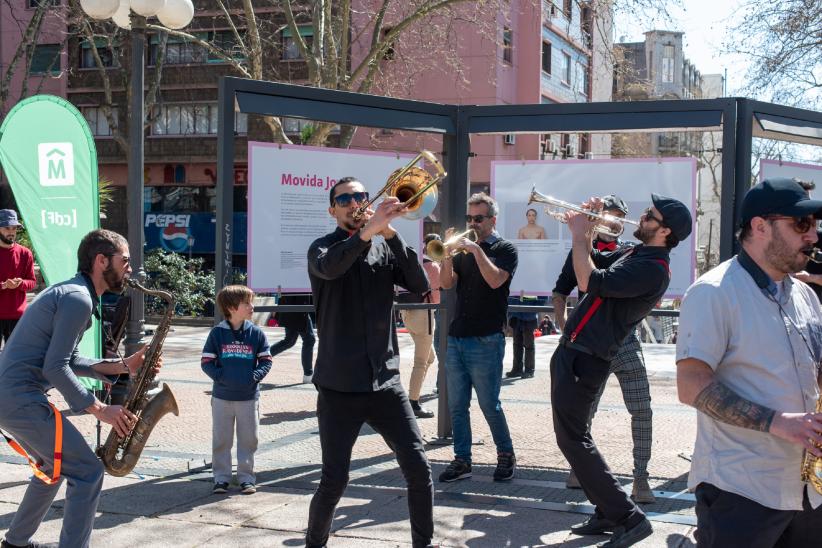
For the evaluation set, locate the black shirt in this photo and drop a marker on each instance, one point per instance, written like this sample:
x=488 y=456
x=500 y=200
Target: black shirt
x=631 y=283
x=353 y=286
x=482 y=311
x=815 y=268
x=567 y=279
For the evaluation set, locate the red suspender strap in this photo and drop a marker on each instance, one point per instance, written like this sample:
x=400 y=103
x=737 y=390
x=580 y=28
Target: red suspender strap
x=586 y=317
x=58 y=451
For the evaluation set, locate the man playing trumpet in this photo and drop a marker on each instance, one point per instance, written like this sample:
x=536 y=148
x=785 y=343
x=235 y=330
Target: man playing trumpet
x=476 y=344
x=618 y=294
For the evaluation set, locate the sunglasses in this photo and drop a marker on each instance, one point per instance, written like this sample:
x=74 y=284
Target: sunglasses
x=126 y=258
x=477 y=219
x=800 y=224
x=649 y=215
x=344 y=200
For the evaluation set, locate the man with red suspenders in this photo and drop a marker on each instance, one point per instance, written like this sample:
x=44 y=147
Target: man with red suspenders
x=617 y=297
x=41 y=354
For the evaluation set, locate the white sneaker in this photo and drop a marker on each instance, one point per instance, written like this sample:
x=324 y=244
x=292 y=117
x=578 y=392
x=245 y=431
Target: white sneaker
x=307 y=378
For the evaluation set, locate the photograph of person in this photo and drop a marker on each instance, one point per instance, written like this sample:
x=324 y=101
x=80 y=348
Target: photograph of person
x=531 y=231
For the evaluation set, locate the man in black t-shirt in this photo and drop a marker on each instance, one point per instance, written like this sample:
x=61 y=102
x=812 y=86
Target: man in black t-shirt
x=476 y=344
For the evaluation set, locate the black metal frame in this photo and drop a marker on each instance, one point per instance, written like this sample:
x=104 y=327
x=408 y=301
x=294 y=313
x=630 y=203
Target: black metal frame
x=735 y=117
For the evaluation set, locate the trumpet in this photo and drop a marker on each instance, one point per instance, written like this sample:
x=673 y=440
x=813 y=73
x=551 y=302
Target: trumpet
x=415 y=188
x=606 y=222
x=438 y=251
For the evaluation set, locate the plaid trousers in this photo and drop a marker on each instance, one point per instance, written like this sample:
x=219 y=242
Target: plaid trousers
x=629 y=367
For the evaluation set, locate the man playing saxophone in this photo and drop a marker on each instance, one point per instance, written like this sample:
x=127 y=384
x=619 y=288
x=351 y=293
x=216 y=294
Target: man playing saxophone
x=42 y=353
x=748 y=354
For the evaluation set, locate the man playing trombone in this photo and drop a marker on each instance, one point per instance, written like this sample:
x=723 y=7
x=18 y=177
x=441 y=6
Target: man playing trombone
x=618 y=294
x=353 y=273
x=476 y=344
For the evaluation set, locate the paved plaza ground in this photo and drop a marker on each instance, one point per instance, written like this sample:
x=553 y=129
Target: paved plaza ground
x=167 y=501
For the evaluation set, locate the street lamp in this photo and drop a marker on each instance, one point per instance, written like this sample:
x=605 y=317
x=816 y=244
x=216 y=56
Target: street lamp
x=131 y=15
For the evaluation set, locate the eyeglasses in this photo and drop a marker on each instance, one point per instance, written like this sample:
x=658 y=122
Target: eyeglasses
x=477 y=219
x=344 y=200
x=126 y=258
x=649 y=215
x=800 y=224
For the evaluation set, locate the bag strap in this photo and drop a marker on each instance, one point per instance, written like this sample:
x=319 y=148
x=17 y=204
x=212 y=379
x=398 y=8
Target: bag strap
x=58 y=451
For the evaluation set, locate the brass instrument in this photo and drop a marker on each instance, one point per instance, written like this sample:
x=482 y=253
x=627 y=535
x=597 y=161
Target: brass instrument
x=811 y=472
x=120 y=455
x=815 y=255
x=413 y=186
x=604 y=226
x=437 y=251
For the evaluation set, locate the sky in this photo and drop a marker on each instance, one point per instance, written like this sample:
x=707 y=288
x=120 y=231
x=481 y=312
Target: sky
x=705 y=24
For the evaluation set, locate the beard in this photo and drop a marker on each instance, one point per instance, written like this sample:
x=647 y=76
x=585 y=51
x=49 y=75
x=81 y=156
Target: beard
x=6 y=240
x=116 y=282
x=782 y=258
x=645 y=235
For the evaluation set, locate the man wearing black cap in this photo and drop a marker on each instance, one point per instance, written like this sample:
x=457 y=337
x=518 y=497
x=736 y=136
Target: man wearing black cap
x=16 y=274
x=748 y=354
x=628 y=364
x=617 y=296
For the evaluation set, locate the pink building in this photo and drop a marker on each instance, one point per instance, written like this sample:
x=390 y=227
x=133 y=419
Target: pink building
x=48 y=55
x=538 y=51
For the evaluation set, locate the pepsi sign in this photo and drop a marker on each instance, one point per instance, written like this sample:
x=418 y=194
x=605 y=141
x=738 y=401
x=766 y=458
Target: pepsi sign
x=177 y=231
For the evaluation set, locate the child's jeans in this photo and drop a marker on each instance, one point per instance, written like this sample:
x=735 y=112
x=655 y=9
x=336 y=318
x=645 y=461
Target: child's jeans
x=224 y=415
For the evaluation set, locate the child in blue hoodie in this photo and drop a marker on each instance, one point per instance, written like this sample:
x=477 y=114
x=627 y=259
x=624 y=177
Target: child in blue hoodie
x=236 y=357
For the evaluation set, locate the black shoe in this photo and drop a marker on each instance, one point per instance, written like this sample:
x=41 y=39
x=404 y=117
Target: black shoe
x=513 y=374
x=506 y=466
x=220 y=488
x=595 y=525
x=623 y=538
x=528 y=374
x=423 y=413
x=32 y=544
x=457 y=470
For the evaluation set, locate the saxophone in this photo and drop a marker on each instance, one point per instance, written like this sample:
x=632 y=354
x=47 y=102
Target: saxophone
x=120 y=455
x=812 y=465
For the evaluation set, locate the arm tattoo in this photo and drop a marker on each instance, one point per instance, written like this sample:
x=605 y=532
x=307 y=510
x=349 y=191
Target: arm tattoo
x=723 y=404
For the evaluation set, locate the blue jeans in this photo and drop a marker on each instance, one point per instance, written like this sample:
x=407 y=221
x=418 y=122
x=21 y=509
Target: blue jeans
x=477 y=362
x=308 y=345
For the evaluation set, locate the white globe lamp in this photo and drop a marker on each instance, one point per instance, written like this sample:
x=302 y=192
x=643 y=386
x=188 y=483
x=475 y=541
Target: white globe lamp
x=176 y=14
x=121 y=17
x=147 y=8
x=100 y=9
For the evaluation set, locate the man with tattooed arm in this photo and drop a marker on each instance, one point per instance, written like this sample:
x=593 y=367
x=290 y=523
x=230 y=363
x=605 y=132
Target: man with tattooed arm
x=748 y=354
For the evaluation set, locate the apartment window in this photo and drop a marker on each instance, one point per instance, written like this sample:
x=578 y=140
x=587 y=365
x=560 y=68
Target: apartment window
x=46 y=59
x=291 y=51
x=567 y=8
x=97 y=122
x=107 y=55
x=566 y=68
x=546 y=57
x=581 y=79
x=668 y=64
x=193 y=119
x=508 y=45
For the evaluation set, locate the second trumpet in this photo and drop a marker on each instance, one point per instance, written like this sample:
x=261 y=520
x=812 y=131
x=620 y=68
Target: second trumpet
x=610 y=225
x=438 y=251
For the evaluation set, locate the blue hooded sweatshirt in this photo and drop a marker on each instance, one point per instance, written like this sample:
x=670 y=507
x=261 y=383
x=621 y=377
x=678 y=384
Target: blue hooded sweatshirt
x=236 y=360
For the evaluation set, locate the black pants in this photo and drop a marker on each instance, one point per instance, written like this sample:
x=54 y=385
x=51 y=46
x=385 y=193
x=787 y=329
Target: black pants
x=6 y=327
x=576 y=378
x=728 y=520
x=523 y=331
x=340 y=416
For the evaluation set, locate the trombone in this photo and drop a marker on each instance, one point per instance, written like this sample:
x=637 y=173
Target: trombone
x=604 y=226
x=415 y=188
x=438 y=251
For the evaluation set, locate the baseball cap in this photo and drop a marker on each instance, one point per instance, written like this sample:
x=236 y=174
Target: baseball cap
x=675 y=215
x=779 y=196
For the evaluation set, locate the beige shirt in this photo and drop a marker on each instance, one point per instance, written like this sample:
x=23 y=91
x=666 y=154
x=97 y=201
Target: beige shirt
x=765 y=355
